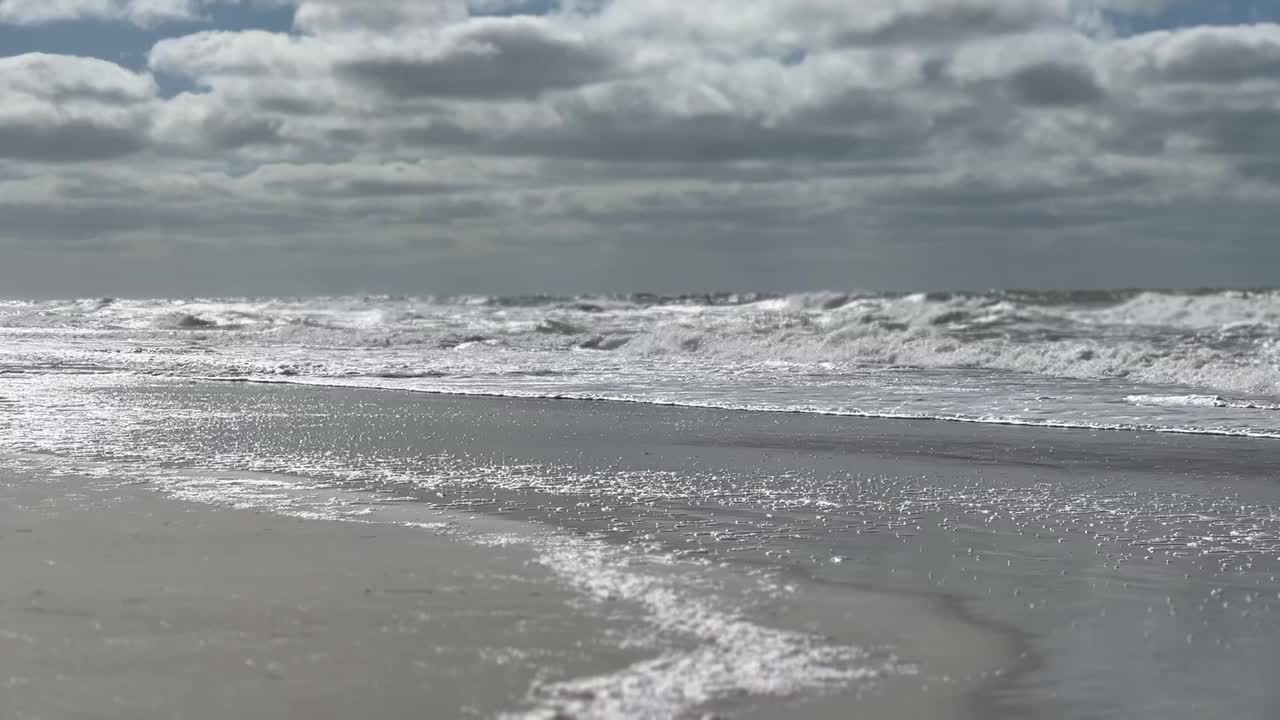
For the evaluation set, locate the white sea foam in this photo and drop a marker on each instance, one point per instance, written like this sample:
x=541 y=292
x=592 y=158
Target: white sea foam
x=1214 y=401
x=713 y=652
x=976 y=356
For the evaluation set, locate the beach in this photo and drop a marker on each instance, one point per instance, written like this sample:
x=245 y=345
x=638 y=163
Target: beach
x=123 y=602
x=639 y=360
x=710 y=560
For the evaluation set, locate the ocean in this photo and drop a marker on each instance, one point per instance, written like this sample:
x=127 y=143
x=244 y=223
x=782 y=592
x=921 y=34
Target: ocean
x=1090 y=476
x=1197 y=362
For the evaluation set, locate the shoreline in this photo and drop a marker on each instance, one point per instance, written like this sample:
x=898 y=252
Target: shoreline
x=1078 y=427
x=98 y=507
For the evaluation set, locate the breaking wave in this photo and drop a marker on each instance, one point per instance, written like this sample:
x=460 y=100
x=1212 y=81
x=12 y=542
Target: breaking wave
x=1216 y=401
x=953 y=354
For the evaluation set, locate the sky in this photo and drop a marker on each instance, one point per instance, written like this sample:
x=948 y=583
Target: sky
x=269 y=147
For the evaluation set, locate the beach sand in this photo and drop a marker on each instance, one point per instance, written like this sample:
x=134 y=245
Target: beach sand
x=120 y=602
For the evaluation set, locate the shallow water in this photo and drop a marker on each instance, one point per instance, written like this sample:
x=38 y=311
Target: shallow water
x=1139 y=569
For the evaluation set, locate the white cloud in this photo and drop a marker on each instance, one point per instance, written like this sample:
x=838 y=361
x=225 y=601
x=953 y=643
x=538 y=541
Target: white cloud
x=146 y=13
x=70 y=78
x=210 y=55
x=59 y=108
x=1209 y=54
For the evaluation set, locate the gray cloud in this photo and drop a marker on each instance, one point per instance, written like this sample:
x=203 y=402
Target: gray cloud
x=946 y=23
x=1264 y=170
x=697 y=139
x=319 y=16
x=1242 y=132
x=387 y=188
x=231 y=133
x=1080 y=197
x=333 y=182
x=633 y=123
x=76 y=141
x=711 y=138
x=1055 y=85
x=490 y=58
x=1244 y=140
x=292 y=105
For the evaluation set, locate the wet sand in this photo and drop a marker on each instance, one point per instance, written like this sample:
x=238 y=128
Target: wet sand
x=121 y=602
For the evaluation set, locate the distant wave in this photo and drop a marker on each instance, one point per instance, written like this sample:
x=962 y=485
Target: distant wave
x=187 y=321
x=1225 y=340
x=1132 y=358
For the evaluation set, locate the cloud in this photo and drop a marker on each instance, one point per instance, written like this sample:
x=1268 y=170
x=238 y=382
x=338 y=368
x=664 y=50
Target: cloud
x=340 y=16
x=356 y=181
x=254 y=54
x=70 y=79
x=486 y=58
x=1210 y=54
x=1055 y=85
x=649 y=123
x=146 y=13
x=906 y=23
x=68 y=141
x=57 y=108
x=495 y=126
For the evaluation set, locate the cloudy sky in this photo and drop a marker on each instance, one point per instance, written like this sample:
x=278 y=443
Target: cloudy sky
x=185 y=147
